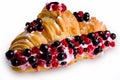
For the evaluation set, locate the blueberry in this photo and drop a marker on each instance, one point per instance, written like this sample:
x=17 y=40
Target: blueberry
x=34 y=65
x=77 y=38
x=30 y=29
x=75 y=14
x=100 y=33
x=68 y=40
x=61 y=56
x=46 y=56
x=86 y=16
x=44 y=47
x=40 y=28
x=15 y=62
x=9 y=54
x=60 y=49
x=85 y=49
x=27 y=52
x=107 y=43
x=105 y=36
x=63 y=63
x=113 y=36
x=48 y=63
x=39 y=21
x=54 y=3
x=91 y=35
x=56 y=44
x=71 y=45
x=97 y=50
x=95 y=41
x=75 y=52
x=80 y=19
x=32 y=60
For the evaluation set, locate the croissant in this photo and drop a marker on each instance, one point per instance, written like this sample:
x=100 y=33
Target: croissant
x=58 y=38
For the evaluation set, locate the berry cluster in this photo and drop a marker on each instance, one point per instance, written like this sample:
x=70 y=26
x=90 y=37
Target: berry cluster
x=56 y=53
x=36 y=25
x=55 y=6
x=82 y=16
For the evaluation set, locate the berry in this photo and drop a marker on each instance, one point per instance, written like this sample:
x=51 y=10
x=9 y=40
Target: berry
x=40 y=28
x=34 y=65
x=75 y=52
x=85 y=50
x=64 y=42
x=55 y=44
x=70 y=50
x=44 y=47
x=80 y=50
x=91 y=35
x=100 y=33
x=80 y=19
x=71 y=45
x=61 y=56
x=75 y=14
x=103 y=46
x=68 y=40
x=55 y=7
x=90 y=48
x=32 y=24
x=54 y=3
x=105 y=37
x=48 y=63
x=27 y=52
x=39 y=21
x=22 y=60
x=30 y=29
x=63 y=63
x=112 y=44
x=97 y=50
x=9 y=54
x=87 y=41
x=15 y=62
x=107 y=33
x=96 y=41
x=60 y=49
x=54 y=62
x=32 y=60
x=27 y=24
x=63 y=7
x=46 y=56
x=77 y=38
x=80 y=14
x=107 y=43
x=113 y=36
x=41 y=63
x=86 y=16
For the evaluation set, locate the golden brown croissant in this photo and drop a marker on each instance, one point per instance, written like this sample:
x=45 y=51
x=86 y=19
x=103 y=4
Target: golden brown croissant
x=58 y=38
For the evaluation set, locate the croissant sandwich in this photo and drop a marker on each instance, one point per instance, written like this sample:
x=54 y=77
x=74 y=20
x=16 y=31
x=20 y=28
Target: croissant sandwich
x=58 y=38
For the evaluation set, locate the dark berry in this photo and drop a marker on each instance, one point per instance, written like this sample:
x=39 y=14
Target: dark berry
x=105 y=37
x=95 y=41
x=54 y=3
x=27 y=52
x=63 y=7
x=63 y=63
x=80 y=19
x=77 y=38
x=15 y=62
x=75 y=52
x=107 y=43
x=56 y=44
x=60 y=49
x=27 y=24
x=85 y=49
x=100 y=33
x=40 y=28
x=75 y=14
x=30 y=29
x=86 y=16
x=39 y=21
x=113 y=36
x=97 y=50
x=68 y=40
x=32 y=60
x=91 y=35
x=44 y=47
x=46 y=56
x=48 y=63
x=9 y=54
x=34 y=65
x=71 y=45
x=61 y=56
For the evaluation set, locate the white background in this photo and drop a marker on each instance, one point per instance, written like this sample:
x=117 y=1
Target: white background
x=15 y=13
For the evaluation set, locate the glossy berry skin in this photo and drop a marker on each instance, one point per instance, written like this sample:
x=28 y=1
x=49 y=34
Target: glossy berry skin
x=97 y=50
x=34 y=65
x=30 y=29
x=61 y=56
x=48 y=63
x=107 y=43
x=44 y=47
x=56 y=44
x=104 y=36
x=86 y=16
x=96 y=41
x=63 y=63
x=40 y=28
x=113 y=36
x=9 y=54
x=91 y=35
x=71 y=45
x=46 y=56
x=32 y=60
x=15 y=62
x=27 y=52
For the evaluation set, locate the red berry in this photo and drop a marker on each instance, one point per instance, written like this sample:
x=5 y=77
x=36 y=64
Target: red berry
x=32 y=24
x=80 y=14
x=35 y=50
x=87 y=40
x=64 y=42
x=100 y=38
x=80 y=50
x=90 y=48
x=103 y=46
x=112 y=44
x=63 y=7
x=55 y=7
x=54 y=62
x=77 y=44
x=96 y=34
x=70 y=50
x=22 y=60
x=83 y=37
x=41 y=63
x=53 y=51
x=18 y=54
